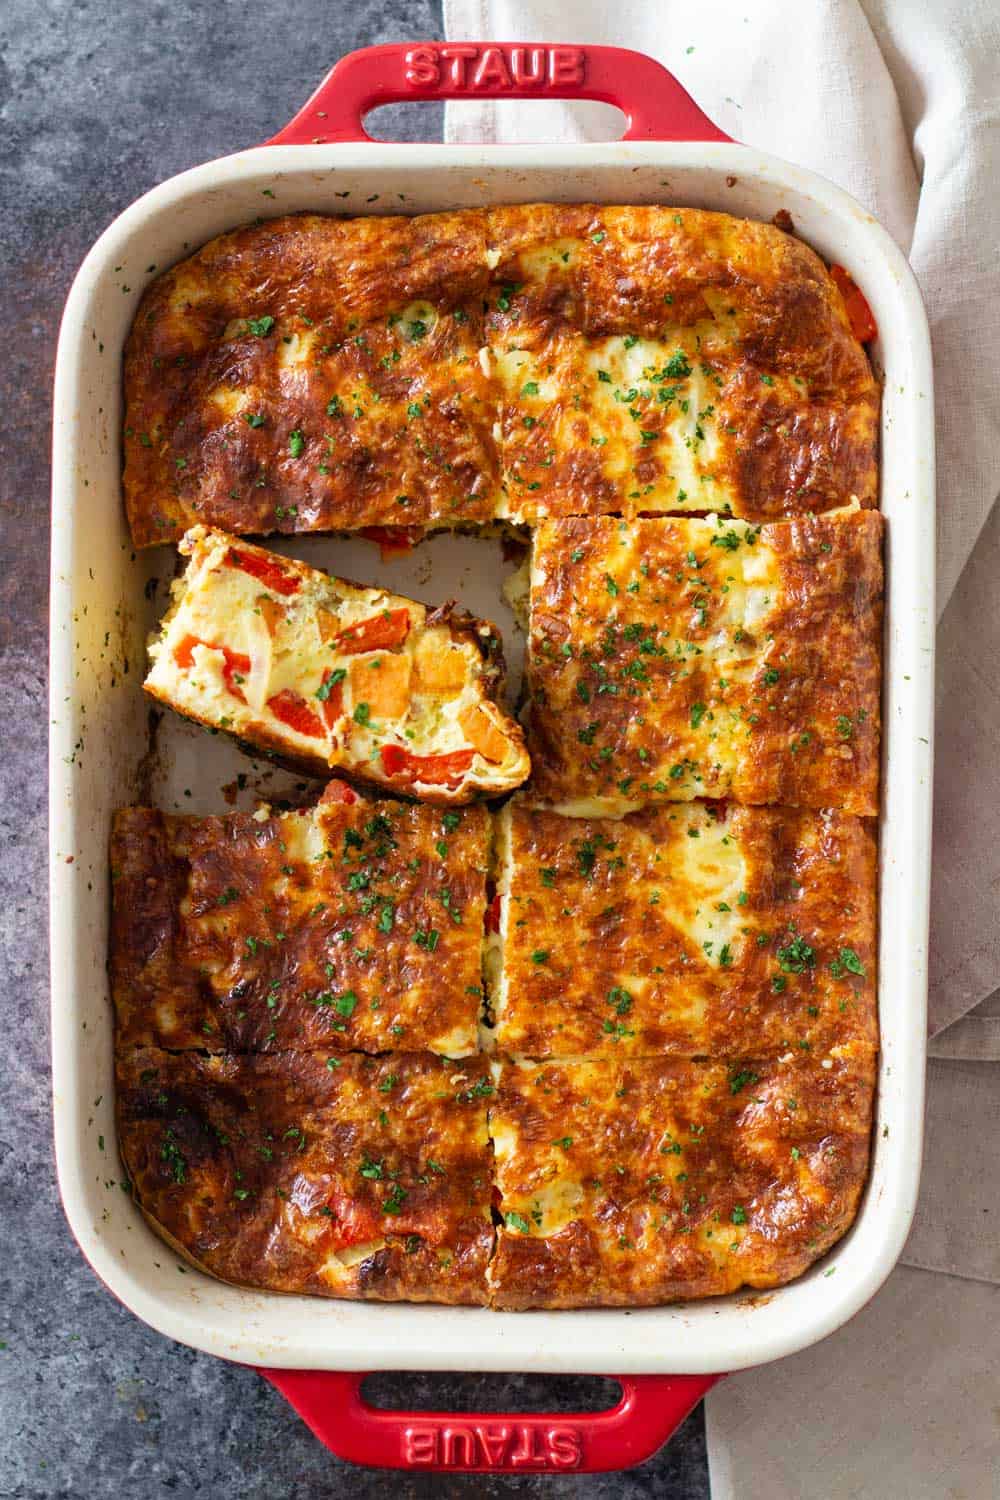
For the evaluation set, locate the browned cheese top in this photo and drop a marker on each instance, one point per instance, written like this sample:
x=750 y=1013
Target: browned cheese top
x=697 y=929
x=349 y=926
x=636 y=1181
x=309 y=373
x=313 y=374
x=369 y=1177
x=686 y=657
x=657 y=359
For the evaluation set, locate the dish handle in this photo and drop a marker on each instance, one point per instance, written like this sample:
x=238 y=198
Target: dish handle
x=330 y=1402
x=655 y=105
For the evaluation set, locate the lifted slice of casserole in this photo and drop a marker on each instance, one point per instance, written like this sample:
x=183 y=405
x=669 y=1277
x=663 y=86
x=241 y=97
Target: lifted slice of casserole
x=329 y=674
x=671 y=659
x=699 y=929
x=353 y=925
x=641 y=1181
x=366 y=1179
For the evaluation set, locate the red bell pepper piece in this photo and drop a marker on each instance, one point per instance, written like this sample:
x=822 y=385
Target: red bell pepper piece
x=432 y=770
x=296 y=713
x=859 y=314
x=339 y=791
x=491 y=919
x=378 y=633
x=393 y=540
x=267 y=569
x=235 y=661
x=331 y=695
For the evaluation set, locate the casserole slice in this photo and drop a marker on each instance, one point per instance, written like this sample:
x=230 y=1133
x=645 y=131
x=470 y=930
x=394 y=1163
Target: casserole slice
x=699 y=929
x=313 y=374
x=368 y=1179
x=353 y=925
x=633 y=1182
x=669 y=359
x=706 y=657
x=327 y=673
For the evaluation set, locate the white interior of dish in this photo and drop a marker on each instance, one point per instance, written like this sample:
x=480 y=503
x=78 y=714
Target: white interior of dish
x=100 y=616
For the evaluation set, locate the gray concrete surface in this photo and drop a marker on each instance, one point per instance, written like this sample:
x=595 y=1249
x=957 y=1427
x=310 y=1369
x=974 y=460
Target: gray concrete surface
x=99 y=101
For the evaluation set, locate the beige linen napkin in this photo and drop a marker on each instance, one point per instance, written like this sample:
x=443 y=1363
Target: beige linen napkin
x=899 y=1405
x=898 y=102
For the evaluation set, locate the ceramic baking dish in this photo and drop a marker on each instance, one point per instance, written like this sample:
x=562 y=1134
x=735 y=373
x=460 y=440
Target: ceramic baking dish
x=101 y=610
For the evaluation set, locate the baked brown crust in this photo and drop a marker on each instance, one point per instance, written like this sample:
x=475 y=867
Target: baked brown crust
x=369 y=1179
x=344 y=927
x=353 y=345
x=699 y=929
x=684 y=360
x=640 y=1181
x=381 y=380
x=680 y=658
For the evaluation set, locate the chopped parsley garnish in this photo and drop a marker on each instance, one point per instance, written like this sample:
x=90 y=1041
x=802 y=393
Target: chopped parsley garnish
x=362 y=714
x=253 y=419
x=620 y=999
x=517 y=1221
x=394 y=1200
x=697 y=714
x=796 y=956
x=260 y=327
x=175 y=1159
x=847 y=962
x=296 y=443
x=325 y=688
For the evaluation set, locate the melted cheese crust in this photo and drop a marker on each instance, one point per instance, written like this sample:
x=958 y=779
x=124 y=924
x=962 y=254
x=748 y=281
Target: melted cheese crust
x=367 y=1179
x=632 y=1182
x=655 y=359
x=312 y=373
x=671 y=659
x=701 y=929
x=351 y=926
x=279 y=654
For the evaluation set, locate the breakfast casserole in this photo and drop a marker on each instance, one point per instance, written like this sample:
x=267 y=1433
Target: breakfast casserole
x=610 y=1040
